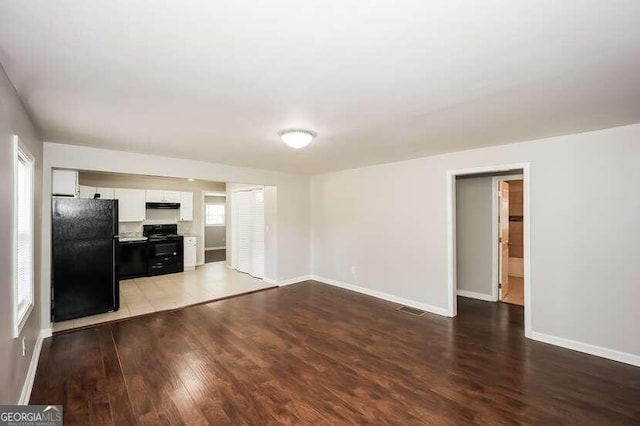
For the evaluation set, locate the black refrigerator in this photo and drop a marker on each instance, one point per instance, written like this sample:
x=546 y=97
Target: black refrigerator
x=84 y=257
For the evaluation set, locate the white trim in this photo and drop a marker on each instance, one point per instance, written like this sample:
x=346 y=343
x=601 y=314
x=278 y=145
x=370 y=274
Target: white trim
x=385 y=296
x=20 y=319
x=612 y=354
x=474 y=295
x=295 y=280
x=25 y=395
x=214 y=193
x=451 y=235
x=495 y=231
x=199 y=263
x=214 y=248
x=270 y=281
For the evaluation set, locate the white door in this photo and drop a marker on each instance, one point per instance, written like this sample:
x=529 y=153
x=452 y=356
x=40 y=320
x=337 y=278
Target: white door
x=256 y=201
x=248 y=231
x=243 y=230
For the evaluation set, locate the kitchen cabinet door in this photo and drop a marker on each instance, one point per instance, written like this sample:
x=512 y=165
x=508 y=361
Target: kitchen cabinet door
x=186 y=206
x=64 y=182
x=131 y=204
x=154 y=196
x=171 y=196
x=105 y=193
x=190 y=252
x=87 y=191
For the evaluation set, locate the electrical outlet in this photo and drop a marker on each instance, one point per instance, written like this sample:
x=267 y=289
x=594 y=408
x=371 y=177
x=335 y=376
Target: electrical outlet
x=24 y=346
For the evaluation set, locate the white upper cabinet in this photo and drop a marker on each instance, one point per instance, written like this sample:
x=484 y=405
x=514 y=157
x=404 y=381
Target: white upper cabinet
x=131 y=204
x=159 y=196
x=87 y=191
x=171 y=196
x=92 y=191
x=106 y=193
x=155 y=196
x=186 y=206
x=64 y=183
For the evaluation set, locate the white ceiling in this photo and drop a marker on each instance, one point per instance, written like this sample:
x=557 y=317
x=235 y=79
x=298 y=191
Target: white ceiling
x=377 y=80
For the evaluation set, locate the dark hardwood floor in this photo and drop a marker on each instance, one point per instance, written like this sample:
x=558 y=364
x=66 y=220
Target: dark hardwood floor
x=312 y=353
x=215 y=255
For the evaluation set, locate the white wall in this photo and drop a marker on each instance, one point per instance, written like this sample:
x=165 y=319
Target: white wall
x=474 y=213
x=389 y=222
x=14 y=120
x=292 y=227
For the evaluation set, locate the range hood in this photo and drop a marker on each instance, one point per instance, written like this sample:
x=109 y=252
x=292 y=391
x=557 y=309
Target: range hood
x=163 y=206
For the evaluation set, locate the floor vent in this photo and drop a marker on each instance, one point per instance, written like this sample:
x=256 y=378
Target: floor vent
x=412 y=311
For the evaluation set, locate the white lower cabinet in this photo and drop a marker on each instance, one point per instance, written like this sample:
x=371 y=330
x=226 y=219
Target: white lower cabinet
x=189 y=253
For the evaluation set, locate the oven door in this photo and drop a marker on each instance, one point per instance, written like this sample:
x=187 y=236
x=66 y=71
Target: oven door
x=165 y=257
x=164 y=249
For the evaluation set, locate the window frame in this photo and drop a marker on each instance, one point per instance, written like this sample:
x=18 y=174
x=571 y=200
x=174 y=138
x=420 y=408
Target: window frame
x=22 y=154
x=224 y=215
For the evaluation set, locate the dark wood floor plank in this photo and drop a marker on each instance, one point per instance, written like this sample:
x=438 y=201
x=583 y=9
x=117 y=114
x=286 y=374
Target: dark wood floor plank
x=314 y=354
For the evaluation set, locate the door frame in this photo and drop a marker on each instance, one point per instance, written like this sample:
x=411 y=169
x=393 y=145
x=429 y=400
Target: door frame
x=495 y=231
x=452 y=282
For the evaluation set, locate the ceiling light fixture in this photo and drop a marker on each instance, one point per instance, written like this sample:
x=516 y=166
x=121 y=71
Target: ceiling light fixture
x=191 y=179
x=297 y=138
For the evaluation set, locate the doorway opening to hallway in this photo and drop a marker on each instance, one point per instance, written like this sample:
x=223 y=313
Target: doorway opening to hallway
x=488 y=236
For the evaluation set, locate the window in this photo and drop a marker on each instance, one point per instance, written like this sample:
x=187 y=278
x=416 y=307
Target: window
x=23 y=235
x=214 y=215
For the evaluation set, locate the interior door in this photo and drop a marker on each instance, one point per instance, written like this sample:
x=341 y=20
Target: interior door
x=248 y=232
x=503 y=223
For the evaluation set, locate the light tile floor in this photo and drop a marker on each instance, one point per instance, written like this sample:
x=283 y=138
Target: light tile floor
x=141 y=296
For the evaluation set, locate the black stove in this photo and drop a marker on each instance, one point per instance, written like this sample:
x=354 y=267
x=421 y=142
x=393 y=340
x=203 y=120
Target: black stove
x=165 y=249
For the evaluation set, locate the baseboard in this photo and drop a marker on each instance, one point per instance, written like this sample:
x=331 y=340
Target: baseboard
x=611 y=354
x=294 y=280
x=199 y=263
x=214 y=248
x=270 y=281
x=25 y=395
x=474 y=295
x=391 y=298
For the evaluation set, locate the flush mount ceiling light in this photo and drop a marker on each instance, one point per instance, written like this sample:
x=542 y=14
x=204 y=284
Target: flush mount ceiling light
x=297 y=138
x=191 y=179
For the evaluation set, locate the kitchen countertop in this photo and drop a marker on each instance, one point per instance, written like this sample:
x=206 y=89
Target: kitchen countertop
x=125 y=239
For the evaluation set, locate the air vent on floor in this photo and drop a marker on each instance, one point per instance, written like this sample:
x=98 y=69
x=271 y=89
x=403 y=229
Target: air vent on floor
x=412 y=311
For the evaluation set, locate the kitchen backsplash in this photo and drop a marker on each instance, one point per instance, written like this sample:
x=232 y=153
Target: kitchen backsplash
x=155 y=217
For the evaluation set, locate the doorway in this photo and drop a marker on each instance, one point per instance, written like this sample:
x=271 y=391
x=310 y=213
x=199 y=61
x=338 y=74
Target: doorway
x=523 y=170
x=215 y=226
x=509 y=221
